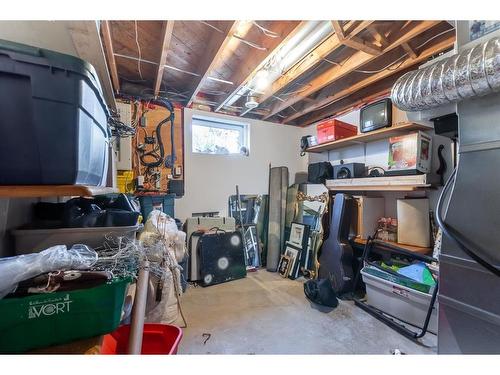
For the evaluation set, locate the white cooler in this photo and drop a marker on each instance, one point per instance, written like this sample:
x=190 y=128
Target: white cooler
x=406 y=304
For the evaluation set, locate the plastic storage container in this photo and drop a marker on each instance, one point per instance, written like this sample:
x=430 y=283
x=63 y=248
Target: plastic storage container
x=54 y=117
x=163 y=202
x=331 y=130
x=157 y=339
x=34 y=240
x=403 y=303
x=55 y=318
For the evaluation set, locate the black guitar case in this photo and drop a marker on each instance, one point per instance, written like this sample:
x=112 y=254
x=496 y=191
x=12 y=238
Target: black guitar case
x=336 y=259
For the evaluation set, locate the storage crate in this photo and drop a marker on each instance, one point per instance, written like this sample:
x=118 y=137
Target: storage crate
x=54 y=117
x=125 y=181
x=55 y=318
x=34 y=240
x=331 y=130
x=162 y=202
x=404 y=303
x=157 y=339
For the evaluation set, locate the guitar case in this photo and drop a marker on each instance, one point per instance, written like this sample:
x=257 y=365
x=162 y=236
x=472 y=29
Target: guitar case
x=336 y=259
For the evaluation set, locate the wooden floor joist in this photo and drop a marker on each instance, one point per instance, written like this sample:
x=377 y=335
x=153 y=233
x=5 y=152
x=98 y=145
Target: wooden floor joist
x=243 y=78
x=409 y=61
x=357 y=60
x=214 y=53
x=167 y=29
x=108 y=43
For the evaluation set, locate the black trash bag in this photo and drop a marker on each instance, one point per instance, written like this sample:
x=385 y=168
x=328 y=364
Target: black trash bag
x=320 y=291
x=83 y=213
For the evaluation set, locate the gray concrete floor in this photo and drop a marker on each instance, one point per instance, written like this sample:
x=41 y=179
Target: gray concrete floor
x=267 y=314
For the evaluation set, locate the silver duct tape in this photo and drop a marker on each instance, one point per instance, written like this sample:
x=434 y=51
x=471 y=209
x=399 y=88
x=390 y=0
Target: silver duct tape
x=472 y=72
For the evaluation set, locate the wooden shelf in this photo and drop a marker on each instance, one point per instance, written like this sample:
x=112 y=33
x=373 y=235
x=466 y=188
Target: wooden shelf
x=34 y=191
x=392 y=183
x=413 y=249
x=375 y=135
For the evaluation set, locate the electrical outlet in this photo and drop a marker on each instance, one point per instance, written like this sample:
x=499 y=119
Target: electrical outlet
x=142 y=121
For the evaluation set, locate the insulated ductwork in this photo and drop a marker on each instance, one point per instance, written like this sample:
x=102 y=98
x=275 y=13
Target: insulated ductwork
x=471 y=73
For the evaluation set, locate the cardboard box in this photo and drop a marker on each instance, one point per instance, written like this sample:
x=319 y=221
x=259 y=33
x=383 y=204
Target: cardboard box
x=331 y=130
x=411 y=153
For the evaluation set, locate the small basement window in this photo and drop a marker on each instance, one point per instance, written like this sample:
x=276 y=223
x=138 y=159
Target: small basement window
x=212 y=135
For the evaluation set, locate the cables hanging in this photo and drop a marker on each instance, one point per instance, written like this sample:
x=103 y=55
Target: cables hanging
x=138 y=50
x=251 y=44
x=265 y=31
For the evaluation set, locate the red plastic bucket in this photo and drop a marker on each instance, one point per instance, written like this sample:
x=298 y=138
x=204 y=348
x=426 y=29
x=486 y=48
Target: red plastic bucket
x=157 y=339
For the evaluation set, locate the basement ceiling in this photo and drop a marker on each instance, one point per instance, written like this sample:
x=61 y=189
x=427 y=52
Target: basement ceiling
x=299 y=71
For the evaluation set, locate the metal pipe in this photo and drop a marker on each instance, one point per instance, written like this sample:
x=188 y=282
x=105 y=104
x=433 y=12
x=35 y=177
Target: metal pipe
x=139 y=311
x=471 y=73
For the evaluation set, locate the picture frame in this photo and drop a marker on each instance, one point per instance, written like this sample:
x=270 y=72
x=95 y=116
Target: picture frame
x=293 y=252
x=284 y=266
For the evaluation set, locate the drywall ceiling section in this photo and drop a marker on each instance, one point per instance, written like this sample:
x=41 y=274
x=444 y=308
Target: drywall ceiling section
x=76 y=38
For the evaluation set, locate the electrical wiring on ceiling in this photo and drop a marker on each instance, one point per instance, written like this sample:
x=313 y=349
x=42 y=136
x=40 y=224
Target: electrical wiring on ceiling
x=265 y=31
x=251 y=44
x=138 y=50
x=389 y=67
x=212 y=26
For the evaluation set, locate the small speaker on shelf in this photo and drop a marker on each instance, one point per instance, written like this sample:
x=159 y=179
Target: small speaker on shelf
x=349 y=170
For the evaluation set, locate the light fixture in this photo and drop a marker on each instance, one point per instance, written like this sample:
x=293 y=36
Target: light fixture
x=251 y=102
x=261 y=80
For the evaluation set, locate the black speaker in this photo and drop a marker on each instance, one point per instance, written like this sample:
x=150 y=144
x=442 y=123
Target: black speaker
x=349 y=170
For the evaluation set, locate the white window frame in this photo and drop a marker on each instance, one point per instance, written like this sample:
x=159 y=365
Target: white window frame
x=221 y=123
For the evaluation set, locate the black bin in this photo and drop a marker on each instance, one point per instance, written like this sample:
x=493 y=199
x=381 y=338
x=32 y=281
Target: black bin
x=53 y=119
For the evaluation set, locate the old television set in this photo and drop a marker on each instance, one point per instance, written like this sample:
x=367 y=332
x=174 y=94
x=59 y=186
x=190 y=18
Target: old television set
x=375 y=116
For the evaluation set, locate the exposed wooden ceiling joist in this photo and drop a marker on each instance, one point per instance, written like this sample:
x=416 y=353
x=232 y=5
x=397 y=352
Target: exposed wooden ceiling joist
x=357 y=60
x=354 y=28
x=242 y=77
x=108 y=44
x=214 y=53
x=303 y=66
x=410 y=51
x=406 y=63
x=349 y=37
x=378 y=36
x=167 y=29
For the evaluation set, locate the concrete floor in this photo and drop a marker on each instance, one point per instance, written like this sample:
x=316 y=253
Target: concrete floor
x=267 y=314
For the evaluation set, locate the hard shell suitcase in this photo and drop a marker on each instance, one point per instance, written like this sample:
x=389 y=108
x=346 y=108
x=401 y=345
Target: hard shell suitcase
x=222 y=257
x=202 y=224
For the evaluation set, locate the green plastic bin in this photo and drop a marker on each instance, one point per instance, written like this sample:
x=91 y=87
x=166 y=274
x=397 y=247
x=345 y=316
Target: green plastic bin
x=48 y=319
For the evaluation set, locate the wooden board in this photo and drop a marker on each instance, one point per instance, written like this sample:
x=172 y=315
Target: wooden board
x=413 y=249
x=153 y=117
x=396 y=129
x=35 y=191
x=390 y=183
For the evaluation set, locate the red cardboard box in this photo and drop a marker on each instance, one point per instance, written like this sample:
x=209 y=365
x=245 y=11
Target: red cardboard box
x=331 y=130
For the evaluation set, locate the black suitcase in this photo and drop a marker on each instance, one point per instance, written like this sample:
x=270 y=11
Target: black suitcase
x=222 y=257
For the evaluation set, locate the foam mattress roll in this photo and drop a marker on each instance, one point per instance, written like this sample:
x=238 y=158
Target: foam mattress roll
x=414 y=222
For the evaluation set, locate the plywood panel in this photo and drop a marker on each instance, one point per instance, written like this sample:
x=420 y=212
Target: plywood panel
x=154 y=115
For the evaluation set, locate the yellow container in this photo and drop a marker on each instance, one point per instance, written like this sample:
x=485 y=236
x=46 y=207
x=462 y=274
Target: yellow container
x=125 y=181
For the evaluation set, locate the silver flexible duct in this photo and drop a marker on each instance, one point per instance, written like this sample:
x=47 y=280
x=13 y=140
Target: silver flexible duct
x=470 y=73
